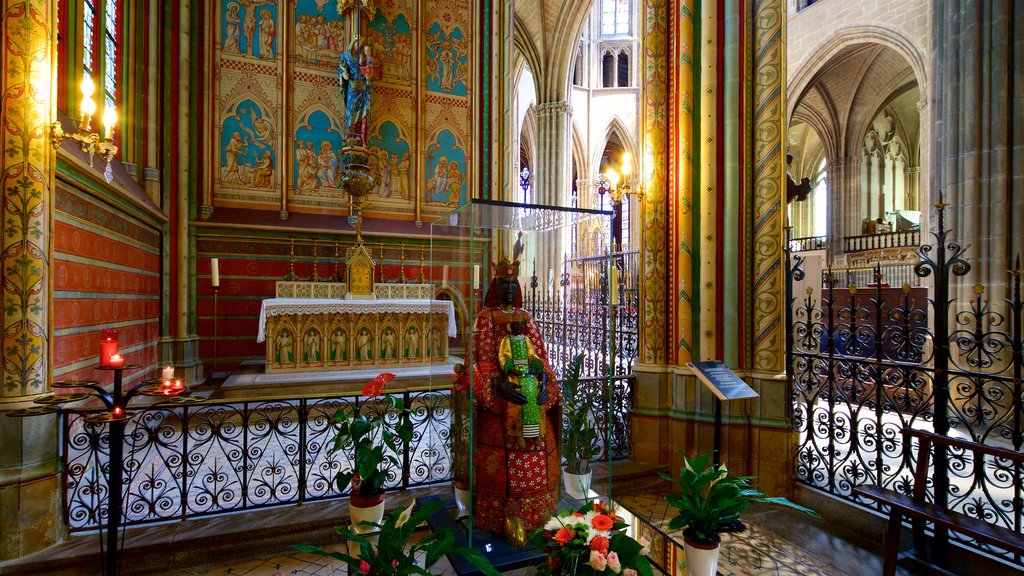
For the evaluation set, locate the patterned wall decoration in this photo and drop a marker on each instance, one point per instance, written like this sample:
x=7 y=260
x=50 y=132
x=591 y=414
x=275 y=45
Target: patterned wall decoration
x=106 y=275
x=682 y=179
x=654 y=263
x=769 y=178
x=26 y=165
x=268 y=128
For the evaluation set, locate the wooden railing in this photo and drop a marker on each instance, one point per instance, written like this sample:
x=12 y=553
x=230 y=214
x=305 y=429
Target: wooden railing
x=904 y=239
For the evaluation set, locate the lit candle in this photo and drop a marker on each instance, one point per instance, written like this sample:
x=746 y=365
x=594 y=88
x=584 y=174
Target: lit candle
x=167 y=373
x=476 y=276
x=88 y=105
x=444 y=276
x=614 y=286
x=116 y=361
x=108 y=345
x=551 y=276
x=109 y=119
x=215 y=272
x=117 y=413
x=167 y=384
x=178 y=384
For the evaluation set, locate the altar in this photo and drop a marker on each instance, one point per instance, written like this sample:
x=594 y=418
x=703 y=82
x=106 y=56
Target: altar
x=310 y=334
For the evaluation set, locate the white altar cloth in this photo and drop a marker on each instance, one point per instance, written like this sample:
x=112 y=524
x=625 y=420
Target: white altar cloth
x=286 y=306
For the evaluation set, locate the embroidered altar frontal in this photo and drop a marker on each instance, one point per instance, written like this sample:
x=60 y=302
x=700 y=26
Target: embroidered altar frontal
x=323 y=334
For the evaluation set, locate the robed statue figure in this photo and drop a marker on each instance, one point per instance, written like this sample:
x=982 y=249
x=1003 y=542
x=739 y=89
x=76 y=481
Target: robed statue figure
x=354 y=72
x=516 y=474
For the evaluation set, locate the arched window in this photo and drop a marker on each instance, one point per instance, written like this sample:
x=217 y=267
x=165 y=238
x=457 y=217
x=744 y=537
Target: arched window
x=111 y=52
x=623 y=69
x=608 y=70
x=615 y=17
x=90 y=46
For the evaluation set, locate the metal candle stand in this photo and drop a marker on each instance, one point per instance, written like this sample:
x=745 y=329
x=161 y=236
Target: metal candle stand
x=115 y=413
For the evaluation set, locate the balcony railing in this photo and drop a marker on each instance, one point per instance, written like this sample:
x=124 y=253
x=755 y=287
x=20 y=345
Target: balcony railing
x=808 y=244
x=904 y=239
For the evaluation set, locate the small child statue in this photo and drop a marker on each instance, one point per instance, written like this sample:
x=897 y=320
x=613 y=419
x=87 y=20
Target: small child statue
x=521 y=365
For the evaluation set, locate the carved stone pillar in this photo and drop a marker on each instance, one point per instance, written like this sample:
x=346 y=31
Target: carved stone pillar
x=551 y=175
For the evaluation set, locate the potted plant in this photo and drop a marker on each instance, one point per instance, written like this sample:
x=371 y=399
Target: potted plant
x=393 y=554
x=710 y=499
x=590 y=541
x=579 y=439
x=371 y=445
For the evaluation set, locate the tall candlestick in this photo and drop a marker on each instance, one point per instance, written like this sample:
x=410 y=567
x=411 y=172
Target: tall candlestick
x=215 y=272
x=476 y=276
x=108 y=345
x=444 y=276
x=614 y=286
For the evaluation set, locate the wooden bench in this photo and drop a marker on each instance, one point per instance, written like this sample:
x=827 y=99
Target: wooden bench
x=920 y=511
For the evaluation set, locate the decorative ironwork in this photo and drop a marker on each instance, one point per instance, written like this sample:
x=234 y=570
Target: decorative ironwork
x=864 y=364
x=575 y=318
x=190 y=461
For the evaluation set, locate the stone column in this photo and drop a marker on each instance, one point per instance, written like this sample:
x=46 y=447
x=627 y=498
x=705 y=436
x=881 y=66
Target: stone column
x=29 y=467
x=837 y=207
x=551 y=174
x=977 y=163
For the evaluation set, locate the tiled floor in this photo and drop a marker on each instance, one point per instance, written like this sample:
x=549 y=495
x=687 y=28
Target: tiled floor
x=776 y=543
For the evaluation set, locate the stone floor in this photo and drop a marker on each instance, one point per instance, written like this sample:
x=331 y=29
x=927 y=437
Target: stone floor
x=776 y=543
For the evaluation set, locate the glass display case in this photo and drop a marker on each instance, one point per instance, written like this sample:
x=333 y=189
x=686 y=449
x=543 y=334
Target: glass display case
x=532 y=425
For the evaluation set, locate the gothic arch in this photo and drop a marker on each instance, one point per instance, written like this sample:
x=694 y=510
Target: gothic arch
x=822 y=54
x=618 y=128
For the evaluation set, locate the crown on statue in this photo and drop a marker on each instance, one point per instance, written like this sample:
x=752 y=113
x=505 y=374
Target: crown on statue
x=506 y=268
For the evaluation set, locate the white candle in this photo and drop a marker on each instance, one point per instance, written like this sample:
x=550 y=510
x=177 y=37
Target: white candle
x=215 y=272
x=167 y=373
x=444 y=276
x=551 y=276
x=614 y=286
x=476 y=276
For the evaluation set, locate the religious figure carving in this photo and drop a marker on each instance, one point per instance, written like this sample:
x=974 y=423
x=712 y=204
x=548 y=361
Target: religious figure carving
x=387 y=344
x=353 y=75
x=283 y=345
x=435 y=342
x=412 y=343
x=312 y=346
x=521 y=366
x=363 y=340
x=516 y=476
x=339 y=345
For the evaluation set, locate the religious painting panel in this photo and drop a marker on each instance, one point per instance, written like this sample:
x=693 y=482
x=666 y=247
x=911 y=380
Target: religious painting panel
x=283 y=342
x=412 y=344
x=388 y=345
x=391 y=41
x=312 y=343
x=446 y=181
x=391 y=166
x=249 y=27
x=446 y=47
x=317 y=156
x=247 y=154
x=320 y=34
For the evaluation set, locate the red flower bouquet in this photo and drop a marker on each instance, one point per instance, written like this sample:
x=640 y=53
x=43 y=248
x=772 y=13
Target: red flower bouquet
x=590 y=541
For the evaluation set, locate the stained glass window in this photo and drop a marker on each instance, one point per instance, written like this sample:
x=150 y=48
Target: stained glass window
x=89 y=20
x=110 y=53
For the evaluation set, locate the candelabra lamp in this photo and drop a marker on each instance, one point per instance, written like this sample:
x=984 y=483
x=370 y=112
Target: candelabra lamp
x=622 y=183
x=114 y=413
x=89 y=141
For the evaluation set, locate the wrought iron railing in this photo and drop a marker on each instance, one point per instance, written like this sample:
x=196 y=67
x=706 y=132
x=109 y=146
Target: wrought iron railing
x=879 y=273
x=864 y=364
x=902 y=239
x=213 y=458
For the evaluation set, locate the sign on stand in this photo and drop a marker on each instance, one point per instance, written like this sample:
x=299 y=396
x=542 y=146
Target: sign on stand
x=725 y=385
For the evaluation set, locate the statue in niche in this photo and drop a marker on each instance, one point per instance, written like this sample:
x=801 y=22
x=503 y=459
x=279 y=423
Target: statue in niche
x=283 y=345
x=516 y=477
x=412 y=343
x=354 y=72
x=363 y=340
x=312 y=346
x=435 y=342
x=339 y=345
x=387 y=344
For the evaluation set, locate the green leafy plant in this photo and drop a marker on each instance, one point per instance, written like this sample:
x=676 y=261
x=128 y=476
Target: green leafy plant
x=579 y=438
x=710 y=499
x=394 y=554
x=358 y=435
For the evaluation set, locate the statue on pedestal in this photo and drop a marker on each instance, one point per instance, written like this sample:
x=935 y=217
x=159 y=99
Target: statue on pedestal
x=516 y=467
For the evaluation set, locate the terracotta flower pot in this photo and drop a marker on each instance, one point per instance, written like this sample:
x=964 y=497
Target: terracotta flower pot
x=701 y=557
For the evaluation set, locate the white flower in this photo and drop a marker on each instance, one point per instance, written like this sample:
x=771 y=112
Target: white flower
x=554 y=523
x=404 y=516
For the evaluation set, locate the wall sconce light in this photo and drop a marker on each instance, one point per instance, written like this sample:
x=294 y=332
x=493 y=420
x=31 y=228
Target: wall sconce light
x=90 y=141
x=631 y=185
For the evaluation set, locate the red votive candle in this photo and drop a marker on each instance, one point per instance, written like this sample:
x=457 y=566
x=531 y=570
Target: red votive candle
x=178 y=384
x=117 y=413
x=116 y=361
x=108 y=345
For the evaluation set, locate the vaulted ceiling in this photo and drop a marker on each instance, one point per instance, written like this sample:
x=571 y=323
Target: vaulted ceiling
x=547 y=33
